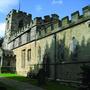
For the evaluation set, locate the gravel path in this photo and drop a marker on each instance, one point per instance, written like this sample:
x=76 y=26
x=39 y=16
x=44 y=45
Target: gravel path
x=18 y=85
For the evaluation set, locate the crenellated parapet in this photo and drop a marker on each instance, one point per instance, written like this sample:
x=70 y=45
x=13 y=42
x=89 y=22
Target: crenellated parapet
x=49 y=23
x=86 y=11
x=75 y=16
x=15 y=12
x=65 y=21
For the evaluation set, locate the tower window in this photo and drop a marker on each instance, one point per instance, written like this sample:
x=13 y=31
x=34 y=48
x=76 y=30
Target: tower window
x=20 y=24
x=7 y=24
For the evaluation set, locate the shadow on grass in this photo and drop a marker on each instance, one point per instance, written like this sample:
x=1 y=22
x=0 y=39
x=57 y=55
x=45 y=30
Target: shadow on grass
x=50 y=85
x=5 y=87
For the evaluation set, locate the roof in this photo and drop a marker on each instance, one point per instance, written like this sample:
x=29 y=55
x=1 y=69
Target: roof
x=8 y=52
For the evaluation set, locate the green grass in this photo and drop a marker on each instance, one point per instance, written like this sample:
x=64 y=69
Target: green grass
x=4 y=85
x=49 y=86
x=24 y=79
x=7 y=75
x=57 y=86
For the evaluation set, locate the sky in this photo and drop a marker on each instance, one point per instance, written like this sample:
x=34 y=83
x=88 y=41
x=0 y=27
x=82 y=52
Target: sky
x=40 y=8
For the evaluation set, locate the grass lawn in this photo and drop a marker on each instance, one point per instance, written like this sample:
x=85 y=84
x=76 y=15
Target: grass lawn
x=7 y=75
x=49 y=86
x=57 y=86
x=6 y=86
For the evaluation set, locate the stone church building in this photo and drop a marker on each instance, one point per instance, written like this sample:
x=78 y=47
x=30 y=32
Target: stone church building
x=61 y=46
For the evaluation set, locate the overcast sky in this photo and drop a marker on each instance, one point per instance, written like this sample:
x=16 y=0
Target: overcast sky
x=40 y=8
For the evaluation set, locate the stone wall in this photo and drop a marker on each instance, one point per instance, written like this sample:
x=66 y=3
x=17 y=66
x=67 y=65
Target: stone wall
x=53 y=37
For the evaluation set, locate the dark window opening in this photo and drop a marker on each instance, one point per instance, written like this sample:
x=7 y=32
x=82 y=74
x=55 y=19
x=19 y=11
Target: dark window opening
x=20 y=24
x=52 y=26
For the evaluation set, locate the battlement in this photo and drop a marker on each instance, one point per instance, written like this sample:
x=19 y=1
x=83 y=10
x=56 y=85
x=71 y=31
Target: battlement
x=47 y=19
x=86 y=11
x=75 y=16
x=37 y=21
x=17 y=12
x=65 y=21
x=51 y=22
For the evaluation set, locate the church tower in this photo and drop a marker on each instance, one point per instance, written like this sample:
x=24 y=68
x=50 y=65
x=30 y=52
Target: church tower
x=16 y=21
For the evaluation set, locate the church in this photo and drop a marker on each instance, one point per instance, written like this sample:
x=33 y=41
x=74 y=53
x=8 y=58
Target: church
x=60 y=46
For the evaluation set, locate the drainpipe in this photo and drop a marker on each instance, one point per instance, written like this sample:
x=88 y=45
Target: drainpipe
x=55 y=72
